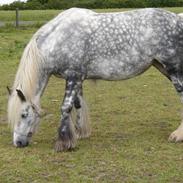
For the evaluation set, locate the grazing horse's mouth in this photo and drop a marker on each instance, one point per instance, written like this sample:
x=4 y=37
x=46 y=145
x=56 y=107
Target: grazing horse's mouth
x=30 y=134
x=19 y=144
x=22 y=140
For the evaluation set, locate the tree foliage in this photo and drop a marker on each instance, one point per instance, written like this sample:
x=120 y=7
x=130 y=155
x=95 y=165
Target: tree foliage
x=64 y=4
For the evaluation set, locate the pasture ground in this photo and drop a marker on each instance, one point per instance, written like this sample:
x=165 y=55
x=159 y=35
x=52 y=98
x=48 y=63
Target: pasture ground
x=131 y=121
x=45 y=15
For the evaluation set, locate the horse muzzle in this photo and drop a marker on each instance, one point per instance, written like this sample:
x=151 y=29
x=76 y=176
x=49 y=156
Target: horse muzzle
x=21 y=140
x=21 y=143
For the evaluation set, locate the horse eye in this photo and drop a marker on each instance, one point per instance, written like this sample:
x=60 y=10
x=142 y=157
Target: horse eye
x=23 y=115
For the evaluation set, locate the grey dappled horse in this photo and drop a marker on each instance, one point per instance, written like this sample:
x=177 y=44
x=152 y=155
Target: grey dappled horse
x=80 y=44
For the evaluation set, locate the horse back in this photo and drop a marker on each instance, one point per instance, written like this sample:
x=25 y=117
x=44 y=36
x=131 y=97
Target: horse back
x=86 y=41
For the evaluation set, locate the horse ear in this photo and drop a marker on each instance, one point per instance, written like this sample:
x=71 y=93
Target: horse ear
x=21 y=95
x=9 y=90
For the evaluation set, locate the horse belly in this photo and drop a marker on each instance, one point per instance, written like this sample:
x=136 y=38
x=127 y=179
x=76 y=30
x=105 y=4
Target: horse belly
x=115 y=69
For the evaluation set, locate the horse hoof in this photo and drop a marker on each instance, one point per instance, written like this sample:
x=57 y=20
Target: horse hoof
x=59 y=146
x=176 y=136
x=64 y=145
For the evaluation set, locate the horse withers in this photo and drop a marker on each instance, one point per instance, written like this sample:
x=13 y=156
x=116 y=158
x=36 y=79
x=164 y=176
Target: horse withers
x=80 y=44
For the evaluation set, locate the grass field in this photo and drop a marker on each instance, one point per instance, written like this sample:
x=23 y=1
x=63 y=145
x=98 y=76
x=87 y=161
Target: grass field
x=45 y=15
x=131 y=121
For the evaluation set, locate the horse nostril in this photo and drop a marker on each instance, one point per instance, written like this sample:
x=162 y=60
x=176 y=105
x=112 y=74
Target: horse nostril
x=22 y=144
x=19 y=144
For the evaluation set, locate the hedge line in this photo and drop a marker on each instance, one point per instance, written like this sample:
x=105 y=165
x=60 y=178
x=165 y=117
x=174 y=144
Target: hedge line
x=94 y=4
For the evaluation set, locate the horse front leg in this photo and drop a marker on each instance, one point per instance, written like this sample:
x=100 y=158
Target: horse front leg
x=83 y=129
x=66 y=132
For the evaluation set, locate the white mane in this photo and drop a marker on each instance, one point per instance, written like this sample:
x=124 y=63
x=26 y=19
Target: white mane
x=26 y=79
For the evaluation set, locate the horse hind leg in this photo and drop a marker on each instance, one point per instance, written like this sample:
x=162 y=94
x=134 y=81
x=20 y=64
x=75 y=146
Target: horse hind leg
x=177 y=135
x=82 y=126
x=177 y=79
x=160 y=67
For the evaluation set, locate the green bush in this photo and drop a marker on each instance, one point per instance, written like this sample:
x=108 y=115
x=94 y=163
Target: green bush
x=64 y=4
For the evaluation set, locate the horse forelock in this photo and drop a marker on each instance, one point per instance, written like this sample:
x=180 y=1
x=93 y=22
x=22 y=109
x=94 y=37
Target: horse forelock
x=14 y=105
x=26 y=79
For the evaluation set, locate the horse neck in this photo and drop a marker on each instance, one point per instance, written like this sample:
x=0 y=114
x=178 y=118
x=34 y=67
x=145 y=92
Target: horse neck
x=31 y=76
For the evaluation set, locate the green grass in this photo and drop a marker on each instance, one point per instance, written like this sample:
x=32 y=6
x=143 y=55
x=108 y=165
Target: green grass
x=131 y=121
x=45 y=15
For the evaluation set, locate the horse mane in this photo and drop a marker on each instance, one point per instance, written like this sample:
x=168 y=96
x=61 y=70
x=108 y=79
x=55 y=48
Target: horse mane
x=26 y=79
